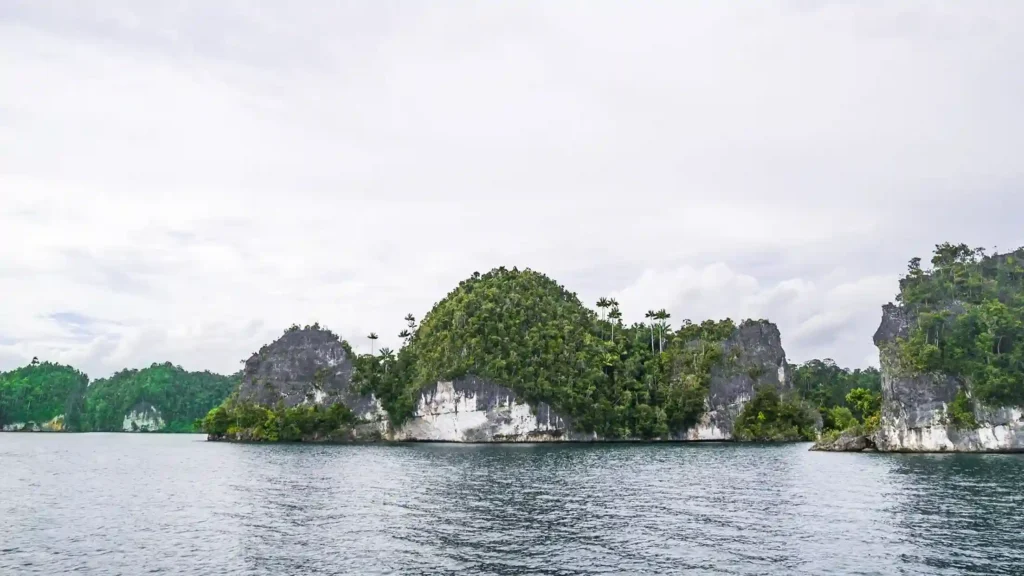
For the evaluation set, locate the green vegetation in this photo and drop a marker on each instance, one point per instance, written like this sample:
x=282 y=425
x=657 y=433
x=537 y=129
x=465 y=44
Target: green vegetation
x=769 y=416
x=252 y=423
x=961 y=412
x=969 y=322
x=847 y=400
x=525 y=331
x=841 y=418
x=40 y=392
x=824 y=384
x=181 y=396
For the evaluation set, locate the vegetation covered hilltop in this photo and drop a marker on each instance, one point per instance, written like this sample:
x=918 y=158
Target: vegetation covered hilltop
x=42 y=392
x=967 y=317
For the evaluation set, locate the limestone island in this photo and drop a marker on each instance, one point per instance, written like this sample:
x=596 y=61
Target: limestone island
x=952 y=356
x=512 y=356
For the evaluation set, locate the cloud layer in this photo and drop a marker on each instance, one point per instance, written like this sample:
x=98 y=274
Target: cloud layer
x=182 y=181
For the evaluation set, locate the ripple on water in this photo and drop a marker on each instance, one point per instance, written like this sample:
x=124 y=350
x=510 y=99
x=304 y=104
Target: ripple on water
x=125 y=504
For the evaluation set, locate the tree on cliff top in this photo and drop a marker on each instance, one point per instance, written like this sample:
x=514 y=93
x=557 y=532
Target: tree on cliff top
x=968 y=313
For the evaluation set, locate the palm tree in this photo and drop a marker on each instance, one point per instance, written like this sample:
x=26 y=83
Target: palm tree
x=615 y=315
x=662 y=315
x=387 y=357
x=602 y=303
x=405 y=335
x=651 y=315
x=668 y=327
x=410 y=321
x=609 y=360
x=373 y=338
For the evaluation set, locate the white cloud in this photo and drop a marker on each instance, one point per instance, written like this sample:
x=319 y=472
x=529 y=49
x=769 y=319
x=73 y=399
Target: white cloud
x=194 y=178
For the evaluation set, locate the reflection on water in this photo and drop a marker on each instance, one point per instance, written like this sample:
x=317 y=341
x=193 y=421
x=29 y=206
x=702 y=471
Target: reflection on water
x=109 y=504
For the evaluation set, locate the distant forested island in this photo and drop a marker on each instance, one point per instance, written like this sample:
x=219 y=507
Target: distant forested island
x=46 y=396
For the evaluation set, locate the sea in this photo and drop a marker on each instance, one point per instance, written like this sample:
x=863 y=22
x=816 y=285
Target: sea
x=177 y=504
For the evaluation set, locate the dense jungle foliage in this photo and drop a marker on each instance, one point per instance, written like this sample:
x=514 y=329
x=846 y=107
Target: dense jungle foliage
x=522 y=329
x=967 y=314
x=253 y=423
x=771 y=417
x=40 y=392
x=181 y=396
x=828 y=387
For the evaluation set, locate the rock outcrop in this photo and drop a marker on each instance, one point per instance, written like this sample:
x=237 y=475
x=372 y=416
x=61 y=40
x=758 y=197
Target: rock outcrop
x=915 y=406
x=310 y=365
x=56 y=424
x=313 y=366
x=845 y=442
x=143 y=417
x=753 y=357
x=476 y=410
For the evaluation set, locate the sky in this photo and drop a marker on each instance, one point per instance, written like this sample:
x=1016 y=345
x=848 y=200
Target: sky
x=180 y=181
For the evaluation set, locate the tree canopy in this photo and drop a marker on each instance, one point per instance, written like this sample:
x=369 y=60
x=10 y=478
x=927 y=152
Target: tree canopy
x=967 y=314
x=181 y=396
x=40 y=392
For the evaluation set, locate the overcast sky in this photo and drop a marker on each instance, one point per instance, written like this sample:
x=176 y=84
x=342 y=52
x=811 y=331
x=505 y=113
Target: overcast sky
x=182 y=180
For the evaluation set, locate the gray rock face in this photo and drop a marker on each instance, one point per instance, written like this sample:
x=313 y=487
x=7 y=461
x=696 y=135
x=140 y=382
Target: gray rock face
x=143 y=417
x=914 y=405
x=846 y=443
x=759 y=359
x=309 y=365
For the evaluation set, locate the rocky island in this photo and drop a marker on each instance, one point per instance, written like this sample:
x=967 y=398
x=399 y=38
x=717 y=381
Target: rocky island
x=952 y=357
x=511 y=356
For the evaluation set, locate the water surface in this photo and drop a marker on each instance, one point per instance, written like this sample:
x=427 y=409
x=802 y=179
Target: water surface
x=174 y=504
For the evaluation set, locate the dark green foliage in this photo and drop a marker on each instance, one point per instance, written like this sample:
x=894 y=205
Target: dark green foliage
x=254 y=423
x=179 y=395
x=520 y=328
x=844 y=398
x=969 y=312
x=696 y=350
x=839 y=418
x=388 y=377
x=824 y=384
x=40 y=392
x=525 y=331
x=961 y=412
x=770 y=416
x=864 y=403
